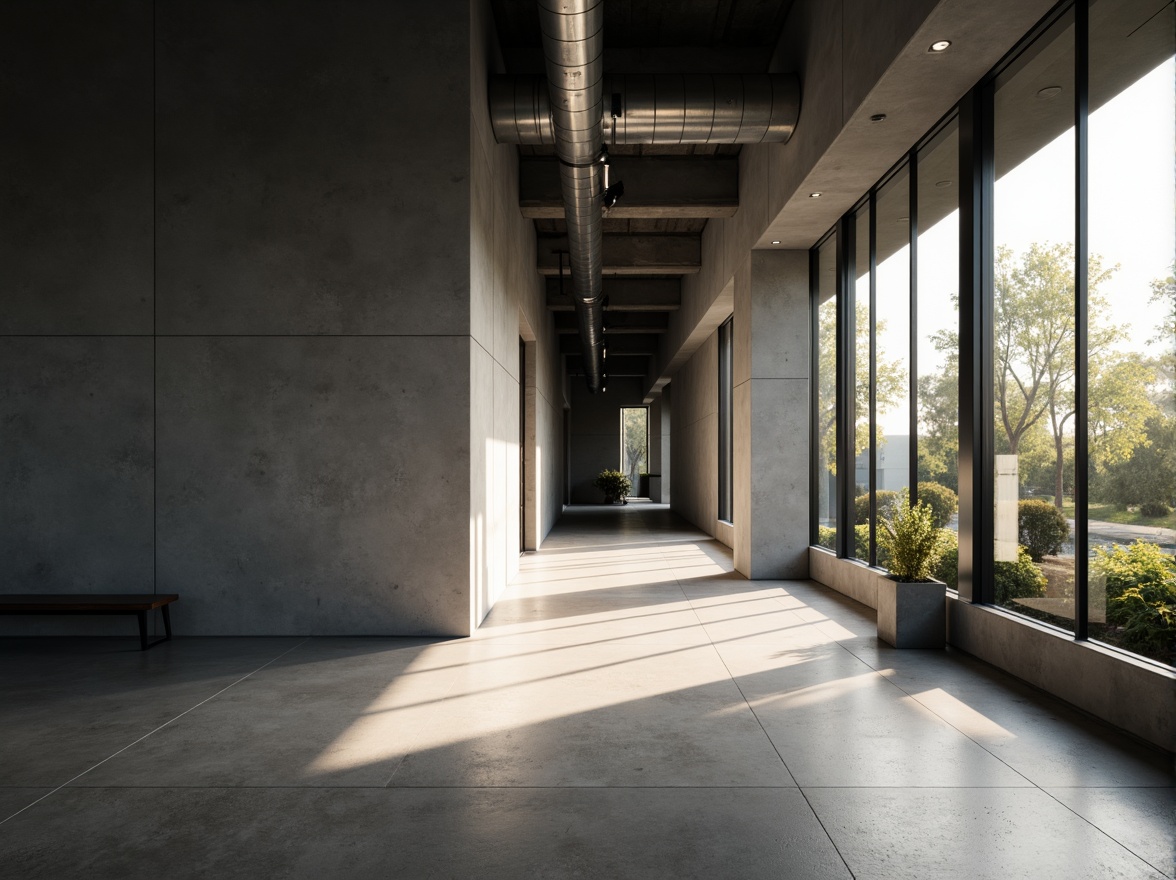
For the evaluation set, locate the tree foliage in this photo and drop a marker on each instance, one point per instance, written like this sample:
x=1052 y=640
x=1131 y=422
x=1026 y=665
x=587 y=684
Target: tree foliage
x=890 y=380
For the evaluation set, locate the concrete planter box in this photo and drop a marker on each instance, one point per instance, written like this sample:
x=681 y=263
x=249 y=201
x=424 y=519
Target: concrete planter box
x=912 y=615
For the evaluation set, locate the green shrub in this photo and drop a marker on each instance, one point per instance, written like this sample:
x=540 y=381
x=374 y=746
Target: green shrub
x=1146 y=616
x=911 y=540
x=827 y=537
x=1042 y=528
x=886 y=499
x=1154 y=508
x=1018 y=580
x=943 y=502
x=1139 y=564
x=948 y=567
x=613 y=484
x=1141 y=595
x=1014 y=580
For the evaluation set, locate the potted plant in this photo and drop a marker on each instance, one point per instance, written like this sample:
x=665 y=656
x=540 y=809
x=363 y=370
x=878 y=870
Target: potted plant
x=614 y=485
x=912 y=609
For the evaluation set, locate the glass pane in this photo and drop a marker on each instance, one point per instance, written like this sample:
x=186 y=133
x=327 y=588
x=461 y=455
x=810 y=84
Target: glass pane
x=861 y=397
x=892 y=342
x=1132 y=308
x=635 y=446
x=938 y=322
x=825 y=510
x=1033 y=333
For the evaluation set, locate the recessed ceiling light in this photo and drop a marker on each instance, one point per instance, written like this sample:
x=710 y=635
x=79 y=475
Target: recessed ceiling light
x=1049 y=92
x=878 y=117
x=777 y=241
x=902 y=220
x=814 y=195
x=942 y=183
x=939 y=46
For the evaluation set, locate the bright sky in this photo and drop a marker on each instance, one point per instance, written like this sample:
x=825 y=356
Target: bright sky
x=1132 y=220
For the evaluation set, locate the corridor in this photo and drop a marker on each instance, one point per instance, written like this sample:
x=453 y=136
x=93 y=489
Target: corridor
x=630 y=708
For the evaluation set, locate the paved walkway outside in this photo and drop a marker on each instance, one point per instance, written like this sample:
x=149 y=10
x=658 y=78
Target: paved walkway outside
x=630 y=708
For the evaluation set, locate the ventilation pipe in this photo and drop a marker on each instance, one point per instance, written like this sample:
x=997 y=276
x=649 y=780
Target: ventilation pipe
x=567 y=112
x=658 y=109
x=573 y=41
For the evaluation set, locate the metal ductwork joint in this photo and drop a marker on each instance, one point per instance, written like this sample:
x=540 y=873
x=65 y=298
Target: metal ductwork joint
x=573 y=43
x=567 y=111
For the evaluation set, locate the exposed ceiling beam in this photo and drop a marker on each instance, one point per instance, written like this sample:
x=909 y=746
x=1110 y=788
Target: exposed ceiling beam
x=625 y=344
x=625 y=295
x=619 y=322
x=656 y=187
x=631 y=254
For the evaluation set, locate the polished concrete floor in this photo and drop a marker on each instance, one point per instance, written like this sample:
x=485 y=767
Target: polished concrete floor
x=630 y=708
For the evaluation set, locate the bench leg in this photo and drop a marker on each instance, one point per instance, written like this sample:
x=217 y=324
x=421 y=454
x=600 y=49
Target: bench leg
x=142 y=615
x=144 y=643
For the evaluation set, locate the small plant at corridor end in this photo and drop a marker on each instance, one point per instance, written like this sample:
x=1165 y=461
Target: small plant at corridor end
x=911 y=540
x=613 y=484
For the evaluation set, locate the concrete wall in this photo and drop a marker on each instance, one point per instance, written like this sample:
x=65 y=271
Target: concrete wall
x=507 y=301
x=770 y=373
x=694 y=452
x=253 y=351
x=596 y=432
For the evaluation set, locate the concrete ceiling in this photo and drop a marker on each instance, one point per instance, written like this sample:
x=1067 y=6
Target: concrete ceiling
x=653 y=235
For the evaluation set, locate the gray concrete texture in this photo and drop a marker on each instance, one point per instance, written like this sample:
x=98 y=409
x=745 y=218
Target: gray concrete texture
x=308 y=262
x=75 y=168
x=297 y=188
x=293 y=495
x=77 y=472
x=694 y=420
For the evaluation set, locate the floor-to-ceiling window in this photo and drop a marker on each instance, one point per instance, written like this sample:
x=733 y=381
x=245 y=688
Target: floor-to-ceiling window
x=1131 y=358
x=1033 y=325
x=824 y=490
x=726 y=420
x=635 y=448
x=1067 y=262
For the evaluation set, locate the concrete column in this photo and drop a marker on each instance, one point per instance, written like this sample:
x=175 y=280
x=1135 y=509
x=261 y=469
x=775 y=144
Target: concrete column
x=771 y=403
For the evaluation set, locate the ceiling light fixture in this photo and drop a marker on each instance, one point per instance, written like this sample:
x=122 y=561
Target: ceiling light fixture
x=878 y=117
x=814 y=195
x=1049 y=92
x=942 y=183
x=776 y=241
x=939 y=46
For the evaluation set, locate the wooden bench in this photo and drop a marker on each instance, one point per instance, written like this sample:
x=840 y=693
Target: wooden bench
x=139 y=604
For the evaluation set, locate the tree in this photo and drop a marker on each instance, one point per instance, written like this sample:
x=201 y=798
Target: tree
x=635 y=431
x=1035 y=342
x=890 y=380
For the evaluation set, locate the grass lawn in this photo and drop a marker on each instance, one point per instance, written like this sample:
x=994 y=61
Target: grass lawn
x=1129 y=517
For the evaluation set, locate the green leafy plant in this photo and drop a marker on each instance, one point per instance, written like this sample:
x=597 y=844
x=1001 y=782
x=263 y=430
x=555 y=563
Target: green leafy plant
x=1154 y=508
x=613 y=484
x=1018 y=580
x=911 y=539
x=947 y=569
x=886 y=501
x=1013 y=580
x=827 y=537
x=1141 y=595
x=1043 y=528
x=943 y=502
